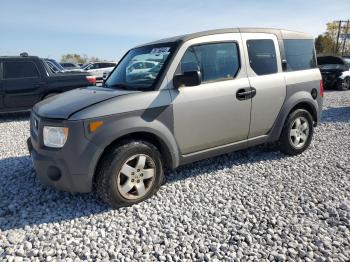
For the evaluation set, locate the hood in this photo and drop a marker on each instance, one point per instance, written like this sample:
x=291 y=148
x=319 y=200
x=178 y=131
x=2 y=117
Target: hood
x=62 y=106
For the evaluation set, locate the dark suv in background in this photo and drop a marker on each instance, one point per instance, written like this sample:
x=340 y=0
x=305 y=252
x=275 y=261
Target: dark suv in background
x=26 y=80
x=335 y=72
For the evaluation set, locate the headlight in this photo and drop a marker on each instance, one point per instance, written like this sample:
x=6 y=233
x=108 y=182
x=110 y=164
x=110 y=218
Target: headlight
x=55 y=136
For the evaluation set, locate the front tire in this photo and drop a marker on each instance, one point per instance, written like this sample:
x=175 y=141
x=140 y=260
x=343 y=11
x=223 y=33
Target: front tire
x=129 y=174
x=297 y=133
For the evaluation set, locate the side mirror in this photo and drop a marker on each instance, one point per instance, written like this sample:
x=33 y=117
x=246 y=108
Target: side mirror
x=284 y=65
x=190 y=78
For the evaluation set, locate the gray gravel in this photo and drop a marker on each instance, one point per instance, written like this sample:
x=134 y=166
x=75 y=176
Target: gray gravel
x=255 y=204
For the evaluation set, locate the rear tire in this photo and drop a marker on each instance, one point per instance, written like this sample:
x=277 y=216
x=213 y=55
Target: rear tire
x=297 y=133
x=129 y=174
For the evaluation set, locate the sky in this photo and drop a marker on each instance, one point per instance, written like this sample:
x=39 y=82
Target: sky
x=108 y=28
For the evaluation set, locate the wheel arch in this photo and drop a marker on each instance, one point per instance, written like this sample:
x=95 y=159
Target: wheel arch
x=169 y=157
x=299 y=101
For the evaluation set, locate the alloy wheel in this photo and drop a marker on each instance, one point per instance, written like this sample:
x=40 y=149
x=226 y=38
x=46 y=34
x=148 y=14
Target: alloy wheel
x=136 y=176
x=299 y=132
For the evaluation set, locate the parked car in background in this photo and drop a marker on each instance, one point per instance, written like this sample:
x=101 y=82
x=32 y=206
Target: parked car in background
x=97 y=68
x=26 y=80
x=335 y=72
x=70 y=66
x=211 y=93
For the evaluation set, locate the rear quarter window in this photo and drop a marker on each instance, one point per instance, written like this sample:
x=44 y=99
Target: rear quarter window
x=300 y=54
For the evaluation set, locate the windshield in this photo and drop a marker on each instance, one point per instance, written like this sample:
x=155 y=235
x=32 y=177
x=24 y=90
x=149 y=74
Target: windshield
x=52 y=67
x=141 y=67
x=347 y=60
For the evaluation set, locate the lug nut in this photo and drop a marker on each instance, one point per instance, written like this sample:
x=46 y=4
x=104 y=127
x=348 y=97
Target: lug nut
x=132 y=180
x=138 y=181
x=141 y=174
x=138 y=170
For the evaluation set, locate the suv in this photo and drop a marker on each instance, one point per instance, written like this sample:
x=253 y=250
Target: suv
x=26 y=80
x=211 y=93
x=335 y=72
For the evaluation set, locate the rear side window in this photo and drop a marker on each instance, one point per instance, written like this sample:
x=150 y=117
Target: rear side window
x=262 y=56
x=217 y=62
x=300 y=54
x=20 y=70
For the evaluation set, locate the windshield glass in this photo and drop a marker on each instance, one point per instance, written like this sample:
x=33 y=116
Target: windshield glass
x=347 y=60
x=52 y=67
x=141 y=67
x=58 y=65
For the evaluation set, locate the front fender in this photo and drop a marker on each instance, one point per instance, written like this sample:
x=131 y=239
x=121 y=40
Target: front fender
x=154 y=121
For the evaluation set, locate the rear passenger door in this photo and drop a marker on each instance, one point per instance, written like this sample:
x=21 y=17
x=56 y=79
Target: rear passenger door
x=21 y=84
x=266 y=78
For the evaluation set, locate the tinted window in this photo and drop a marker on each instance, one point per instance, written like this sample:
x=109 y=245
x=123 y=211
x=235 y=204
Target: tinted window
x=216 y=62
x=262 y=56
x=300 y=54
x=20 y=70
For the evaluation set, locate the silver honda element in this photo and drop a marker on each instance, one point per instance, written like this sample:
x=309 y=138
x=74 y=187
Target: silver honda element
x=200 y=95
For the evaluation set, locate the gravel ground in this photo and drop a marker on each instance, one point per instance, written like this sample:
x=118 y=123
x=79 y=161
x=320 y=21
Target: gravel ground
x=255 y=204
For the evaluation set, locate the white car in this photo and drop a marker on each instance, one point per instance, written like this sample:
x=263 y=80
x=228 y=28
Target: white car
x=141 y=66
x=97 y=68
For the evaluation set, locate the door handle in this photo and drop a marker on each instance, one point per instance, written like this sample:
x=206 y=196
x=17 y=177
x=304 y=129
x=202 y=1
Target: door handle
x=245 y=93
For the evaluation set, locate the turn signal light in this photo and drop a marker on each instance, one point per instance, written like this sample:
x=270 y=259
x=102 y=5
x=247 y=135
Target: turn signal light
x=321 y=88
x=94 y=125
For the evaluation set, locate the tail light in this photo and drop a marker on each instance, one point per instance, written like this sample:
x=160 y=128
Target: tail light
x=321 y=88
x=91 y=80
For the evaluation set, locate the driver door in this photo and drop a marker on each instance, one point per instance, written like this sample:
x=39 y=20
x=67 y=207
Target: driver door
x=210 y=115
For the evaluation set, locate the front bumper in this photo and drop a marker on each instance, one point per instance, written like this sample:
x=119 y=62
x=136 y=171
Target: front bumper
x=70 y=168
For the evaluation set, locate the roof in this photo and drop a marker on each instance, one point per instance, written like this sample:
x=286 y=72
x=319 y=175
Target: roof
x=280 y=34
x=20 y=57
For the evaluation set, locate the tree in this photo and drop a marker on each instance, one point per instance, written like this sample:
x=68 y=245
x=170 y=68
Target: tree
x=327 y=42
x=324 y=44
x=78 y=59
